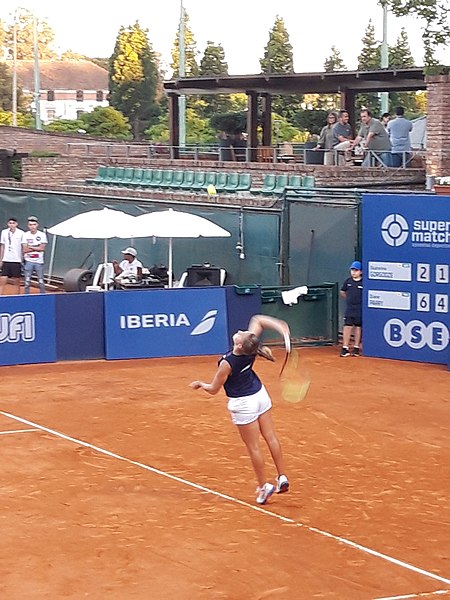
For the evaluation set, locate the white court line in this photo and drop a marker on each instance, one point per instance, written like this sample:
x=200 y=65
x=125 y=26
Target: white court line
x=385 y=557
x=436 y=593
x=18 y=431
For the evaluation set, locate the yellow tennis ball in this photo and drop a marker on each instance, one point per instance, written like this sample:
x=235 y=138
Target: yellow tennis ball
x=211 y=190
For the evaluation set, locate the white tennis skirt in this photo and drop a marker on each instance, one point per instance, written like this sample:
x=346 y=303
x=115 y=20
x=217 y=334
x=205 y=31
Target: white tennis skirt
x=247 y=409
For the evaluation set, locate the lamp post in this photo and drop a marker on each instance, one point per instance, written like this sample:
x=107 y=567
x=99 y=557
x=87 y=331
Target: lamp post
x=37 y=83
x=182 y=73
x=14 y=79
x=384 y=96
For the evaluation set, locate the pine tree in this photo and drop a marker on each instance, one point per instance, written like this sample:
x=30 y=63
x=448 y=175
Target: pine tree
x=400 y=56
x=190 y=52
x=334 y=62
x=213 y=64
x=278 y=53
x=278 y=58
x=369 y=60
x=134 y=78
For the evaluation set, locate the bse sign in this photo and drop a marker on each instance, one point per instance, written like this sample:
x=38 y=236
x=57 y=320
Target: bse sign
x=27 y=329
x=416 y=334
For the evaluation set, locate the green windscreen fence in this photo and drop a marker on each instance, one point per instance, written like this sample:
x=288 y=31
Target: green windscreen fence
x=303 y=239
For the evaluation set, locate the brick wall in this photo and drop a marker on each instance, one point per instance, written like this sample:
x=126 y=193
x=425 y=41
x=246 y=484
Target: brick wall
x=438 y=119
x=79 y=160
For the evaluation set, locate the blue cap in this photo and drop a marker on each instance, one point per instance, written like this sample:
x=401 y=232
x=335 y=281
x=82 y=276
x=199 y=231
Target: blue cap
x=356 y=264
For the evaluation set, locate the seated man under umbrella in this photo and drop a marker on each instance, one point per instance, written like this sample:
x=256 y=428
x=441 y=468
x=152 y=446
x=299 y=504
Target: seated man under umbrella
x=129 y=268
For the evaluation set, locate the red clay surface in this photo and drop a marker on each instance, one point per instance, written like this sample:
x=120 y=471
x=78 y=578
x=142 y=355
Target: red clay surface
x=368 y=454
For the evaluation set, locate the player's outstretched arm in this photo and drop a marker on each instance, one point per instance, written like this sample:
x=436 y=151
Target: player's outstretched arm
x=260 y=322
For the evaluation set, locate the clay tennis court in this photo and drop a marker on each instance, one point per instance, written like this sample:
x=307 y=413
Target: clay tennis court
x=120 y=482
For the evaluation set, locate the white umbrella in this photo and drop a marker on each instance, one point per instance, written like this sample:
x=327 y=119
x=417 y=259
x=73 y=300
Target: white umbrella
x=176 y=224
x=101 y=224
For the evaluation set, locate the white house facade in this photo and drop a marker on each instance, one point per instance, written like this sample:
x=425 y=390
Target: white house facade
x=67 y=88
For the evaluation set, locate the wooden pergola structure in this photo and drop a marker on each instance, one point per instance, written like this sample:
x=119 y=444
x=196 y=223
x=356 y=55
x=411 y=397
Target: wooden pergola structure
x=262 y=87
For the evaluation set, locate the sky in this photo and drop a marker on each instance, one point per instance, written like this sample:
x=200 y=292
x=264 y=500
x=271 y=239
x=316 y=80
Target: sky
x=241 y=26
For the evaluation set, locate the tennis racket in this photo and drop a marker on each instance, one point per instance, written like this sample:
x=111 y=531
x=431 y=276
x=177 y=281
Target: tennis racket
x=294 y=377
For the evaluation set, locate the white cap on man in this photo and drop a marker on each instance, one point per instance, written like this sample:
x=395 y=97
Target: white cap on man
x=130 y=250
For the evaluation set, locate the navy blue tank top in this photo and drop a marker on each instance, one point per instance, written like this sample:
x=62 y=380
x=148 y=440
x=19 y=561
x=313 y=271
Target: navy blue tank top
x=242 y=381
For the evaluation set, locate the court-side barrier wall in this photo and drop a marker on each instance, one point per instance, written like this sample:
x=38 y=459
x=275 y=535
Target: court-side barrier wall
x=122 y=324
x=155 y=323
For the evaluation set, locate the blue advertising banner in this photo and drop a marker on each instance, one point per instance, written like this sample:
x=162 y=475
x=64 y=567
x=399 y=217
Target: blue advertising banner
x=157 y=323
x=27 y=329
x=406 y=276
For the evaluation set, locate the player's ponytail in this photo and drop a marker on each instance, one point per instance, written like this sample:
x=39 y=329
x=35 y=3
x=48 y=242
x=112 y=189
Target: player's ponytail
x=265 y=352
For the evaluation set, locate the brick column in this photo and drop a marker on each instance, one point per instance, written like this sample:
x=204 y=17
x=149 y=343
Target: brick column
x=438 y=120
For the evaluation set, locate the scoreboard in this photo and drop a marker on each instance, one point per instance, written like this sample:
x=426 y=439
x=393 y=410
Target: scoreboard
x=406 y=276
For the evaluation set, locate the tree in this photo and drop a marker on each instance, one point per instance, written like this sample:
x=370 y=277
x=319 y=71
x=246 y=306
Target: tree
x=436 y=30
x=213 y=64
x=6 y=92
x=23 y=119
x=25 y=37
x=198 y=130
x=278 y=53
x=65 y=126
x=278 y=58
x=190 y=52
x=2 y=36
x=134 y=78
x=369 y=60
x=5 y=87
x=106 y=121
x=400 y=56
x=334 y=62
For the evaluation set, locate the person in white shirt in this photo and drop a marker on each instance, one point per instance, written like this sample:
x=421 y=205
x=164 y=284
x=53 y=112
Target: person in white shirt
x=34 y=243
x=11 y=256
x=130 y=266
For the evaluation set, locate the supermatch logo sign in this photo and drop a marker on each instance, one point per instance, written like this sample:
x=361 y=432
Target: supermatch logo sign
x=422 y=233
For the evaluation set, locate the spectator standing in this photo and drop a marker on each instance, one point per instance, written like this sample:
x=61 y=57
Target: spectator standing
x=326 y=140
x=343 y=137
x=351 y=291
x=399 y=130
x=34 y=243
x=11 y=256
x=375 y=138
x=385 y=118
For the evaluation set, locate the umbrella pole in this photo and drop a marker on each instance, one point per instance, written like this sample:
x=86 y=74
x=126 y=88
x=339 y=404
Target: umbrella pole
x=170 y=264
x=52 y=260
x=105 y=263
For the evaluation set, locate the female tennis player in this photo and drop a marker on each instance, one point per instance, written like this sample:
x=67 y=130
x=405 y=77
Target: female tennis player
x=248 y=401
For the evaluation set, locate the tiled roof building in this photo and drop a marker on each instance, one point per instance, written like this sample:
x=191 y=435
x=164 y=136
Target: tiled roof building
x=67 y=87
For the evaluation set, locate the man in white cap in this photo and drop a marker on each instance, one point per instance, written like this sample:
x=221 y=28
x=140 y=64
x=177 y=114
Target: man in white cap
x=130 y=265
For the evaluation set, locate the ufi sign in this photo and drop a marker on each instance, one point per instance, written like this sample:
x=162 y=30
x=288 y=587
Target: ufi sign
x=27 y=329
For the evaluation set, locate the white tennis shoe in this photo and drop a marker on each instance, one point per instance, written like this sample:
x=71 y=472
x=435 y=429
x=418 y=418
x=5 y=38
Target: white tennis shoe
x=264 y=492
x=282 y=484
